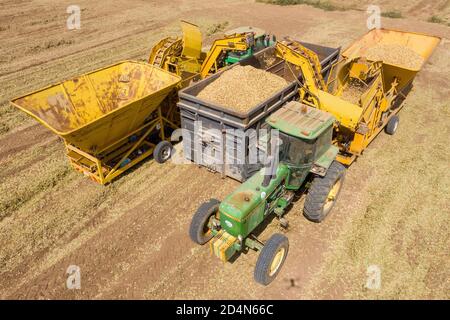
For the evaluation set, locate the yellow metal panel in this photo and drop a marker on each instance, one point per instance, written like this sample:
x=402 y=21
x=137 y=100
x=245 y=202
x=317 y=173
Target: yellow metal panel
x=348 y=114
x=221 y=243
x=239 y=43
x=358 y=144
x=346 y=159
x=94 y=110
x=370 y=99
x=192 y=40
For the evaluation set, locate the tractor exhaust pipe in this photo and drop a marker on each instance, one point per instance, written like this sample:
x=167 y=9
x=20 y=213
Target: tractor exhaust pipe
x=270 y=172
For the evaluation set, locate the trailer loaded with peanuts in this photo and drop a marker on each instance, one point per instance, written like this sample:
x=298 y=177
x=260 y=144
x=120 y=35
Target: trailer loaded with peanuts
x=286 y=118
x=236 y=101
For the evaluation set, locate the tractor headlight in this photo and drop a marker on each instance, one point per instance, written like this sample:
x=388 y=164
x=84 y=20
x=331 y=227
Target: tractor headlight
x=228 y=223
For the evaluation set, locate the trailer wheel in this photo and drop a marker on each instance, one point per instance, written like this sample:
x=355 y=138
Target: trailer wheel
x=323 y=193
x=163 y=151
x=199 y=230
x=392 y=125
x=271 y=259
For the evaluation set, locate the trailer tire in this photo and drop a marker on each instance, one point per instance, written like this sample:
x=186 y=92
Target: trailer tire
x=323 y=193
x=271 y=259
x=162 y=151
x=198 y=228
x=392 y=125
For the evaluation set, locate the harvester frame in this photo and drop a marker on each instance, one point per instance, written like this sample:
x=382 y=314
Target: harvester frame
x=184 y=56
x=99 y=170
x=122 y=142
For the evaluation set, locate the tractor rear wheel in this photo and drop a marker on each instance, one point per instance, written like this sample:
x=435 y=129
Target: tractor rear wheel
x=199 y=230
x=392 y=125
x=323 y=193
x=271 y=259
x=163 y=151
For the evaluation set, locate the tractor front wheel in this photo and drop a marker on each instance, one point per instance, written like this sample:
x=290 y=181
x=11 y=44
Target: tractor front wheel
x=323 y=193
x=199 y=230
x=163 y=151
x=271 y=259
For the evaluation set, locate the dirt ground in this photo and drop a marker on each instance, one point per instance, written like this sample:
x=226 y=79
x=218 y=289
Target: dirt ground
x=130 y=238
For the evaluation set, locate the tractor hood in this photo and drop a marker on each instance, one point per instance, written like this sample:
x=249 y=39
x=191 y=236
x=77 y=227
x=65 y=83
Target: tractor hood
x=240 y=202
x=239 y=208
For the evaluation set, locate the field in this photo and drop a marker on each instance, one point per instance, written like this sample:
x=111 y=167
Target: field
x=130 y=238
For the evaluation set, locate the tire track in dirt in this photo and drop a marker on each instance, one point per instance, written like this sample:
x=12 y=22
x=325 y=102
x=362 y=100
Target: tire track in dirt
x=19 y=140
x=100 y=27
x=172 y=246
x=203 y=276
x=38 y=63
x=107 y=271
x=141 y=224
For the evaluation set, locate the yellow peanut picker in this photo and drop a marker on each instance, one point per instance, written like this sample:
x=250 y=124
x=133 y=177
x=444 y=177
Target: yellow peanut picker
x=115 y=117
x=365 y=89
x=105 y=117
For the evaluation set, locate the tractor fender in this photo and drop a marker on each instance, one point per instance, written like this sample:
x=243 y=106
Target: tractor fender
x=323 y=162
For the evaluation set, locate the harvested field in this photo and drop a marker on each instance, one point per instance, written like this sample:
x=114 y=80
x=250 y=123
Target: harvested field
x=130 y=239
x=242 y=88
x=395 y=54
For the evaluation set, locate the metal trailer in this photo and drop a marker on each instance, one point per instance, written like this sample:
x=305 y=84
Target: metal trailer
x=226 y=149
x=107 y=117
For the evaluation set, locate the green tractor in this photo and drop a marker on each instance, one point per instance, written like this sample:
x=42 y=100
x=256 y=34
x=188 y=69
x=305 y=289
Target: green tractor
x=262 y=40
x=305 y=153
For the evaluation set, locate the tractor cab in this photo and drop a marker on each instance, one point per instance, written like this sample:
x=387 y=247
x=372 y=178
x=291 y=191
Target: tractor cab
x=305 y=140
x=262 y=40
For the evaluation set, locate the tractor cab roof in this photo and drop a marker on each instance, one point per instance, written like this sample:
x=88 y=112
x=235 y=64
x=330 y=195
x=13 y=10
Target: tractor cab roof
x=301 y=121
x=257 y=31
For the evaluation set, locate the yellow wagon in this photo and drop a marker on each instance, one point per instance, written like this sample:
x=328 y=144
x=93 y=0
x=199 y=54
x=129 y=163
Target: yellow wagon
x=106 y=117
x=384 y=85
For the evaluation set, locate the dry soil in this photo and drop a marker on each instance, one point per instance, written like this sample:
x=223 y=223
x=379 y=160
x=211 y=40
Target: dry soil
x=130 y=239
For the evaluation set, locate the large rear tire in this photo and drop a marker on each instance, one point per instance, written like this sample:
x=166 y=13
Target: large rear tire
x=323 y=193
x=199 y=230
x=271 y=259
